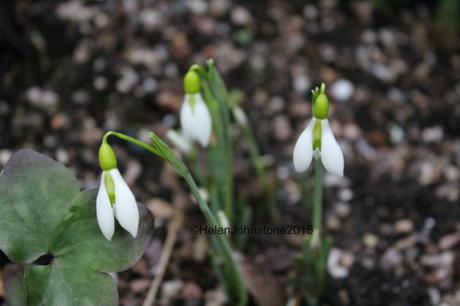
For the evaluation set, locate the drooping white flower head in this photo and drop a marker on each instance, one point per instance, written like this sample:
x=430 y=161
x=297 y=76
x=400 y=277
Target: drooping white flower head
x=179 y=141
x=114 y=198
x=317 y=140
x=195 y=118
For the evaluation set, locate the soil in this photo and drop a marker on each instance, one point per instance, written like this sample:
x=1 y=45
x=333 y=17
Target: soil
x=74 y=69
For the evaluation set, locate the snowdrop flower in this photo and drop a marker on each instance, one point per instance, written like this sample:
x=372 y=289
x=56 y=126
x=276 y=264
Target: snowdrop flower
x=114 y=198
x=195 y=118
x=178 y=139
x=317 y=139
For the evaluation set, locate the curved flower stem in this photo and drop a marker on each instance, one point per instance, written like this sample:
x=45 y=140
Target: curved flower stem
x=132 y=140
x=318 y=197
x=162 y=150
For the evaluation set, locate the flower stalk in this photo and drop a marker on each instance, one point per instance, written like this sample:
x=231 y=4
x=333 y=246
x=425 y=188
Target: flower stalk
x=236 y=285
x=318 y=197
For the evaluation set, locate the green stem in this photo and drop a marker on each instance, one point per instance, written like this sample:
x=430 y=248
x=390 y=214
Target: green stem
x=318 y=197
x=222 y=240
x=224 y=246
x=195 y=167
x=261 y=172
x=219 y=91
x=132 y=140
x=224 y=174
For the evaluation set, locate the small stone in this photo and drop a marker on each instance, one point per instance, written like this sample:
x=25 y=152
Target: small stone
x=344 y=296
x=391 y=259
x=435 y=296
x=351 y=131
x=396 y=134
x=59 y=121
x=133 y=171
x=404 y=226
x=345 y=195
x=333 y=223
x=80 y=97
x=370 y=240
x=449 y=241
x=432 y=134
x=128 y=79
x=282 y=128
x=334 y=267
x=171 y=289
x=62 y=156
x=342 y=89
x=45 y=100
x=160 y=208
x=198 y=6
x=342 y=209
x=445 y=259
x=200 y=248
x=449 y=192
x=100 y=83
x=217 y=297
x=406 y=243
x=428 y=173
x=275 y=105
x=139 y=285
x=192 y=291
x=4 y=156
x=452 y=173
x=150 y=18
x=347 y=260
x=240 y=16
x=141 y=268
x=301 y=84
x=219 y=7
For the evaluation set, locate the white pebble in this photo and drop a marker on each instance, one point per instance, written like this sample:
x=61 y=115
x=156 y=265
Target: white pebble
x=342 y=89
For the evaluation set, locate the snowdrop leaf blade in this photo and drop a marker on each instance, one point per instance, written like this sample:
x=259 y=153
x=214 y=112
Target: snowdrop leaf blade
x=303 y=149
x=331 y=154
x=167 y=154
x=217 y=84
x=125 y=204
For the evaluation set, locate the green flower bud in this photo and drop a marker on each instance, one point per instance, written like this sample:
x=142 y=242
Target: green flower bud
x=192 y=82
x=321 y=107
x=107 y=158
x=109 y=187
x=317 y=135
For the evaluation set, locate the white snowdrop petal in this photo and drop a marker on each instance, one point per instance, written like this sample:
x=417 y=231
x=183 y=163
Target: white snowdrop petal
x=179 y=141
x=126 y=208
x=186 y=118
x=196 y=123
x=303 y=149
x=331 y=154
x=104 y=212
x=203 y=125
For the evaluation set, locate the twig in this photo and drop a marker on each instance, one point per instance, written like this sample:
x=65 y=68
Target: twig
x=173 y=228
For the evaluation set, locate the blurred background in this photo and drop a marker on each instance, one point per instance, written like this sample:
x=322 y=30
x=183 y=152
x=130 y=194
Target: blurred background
x=70 y=70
